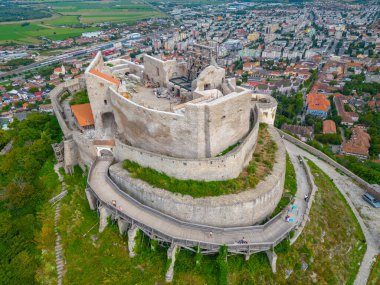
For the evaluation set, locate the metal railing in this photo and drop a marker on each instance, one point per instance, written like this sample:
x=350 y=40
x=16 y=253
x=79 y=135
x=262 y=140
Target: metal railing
x=207 y=246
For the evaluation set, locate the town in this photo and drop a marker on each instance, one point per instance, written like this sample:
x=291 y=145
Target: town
x=325 y=53
x=205 y=127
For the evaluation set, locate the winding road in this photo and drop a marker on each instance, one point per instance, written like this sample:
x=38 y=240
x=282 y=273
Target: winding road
x=368 y=217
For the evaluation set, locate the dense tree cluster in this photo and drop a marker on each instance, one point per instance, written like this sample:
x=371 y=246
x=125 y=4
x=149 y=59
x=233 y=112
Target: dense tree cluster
x=15 y=12
x=367 y=170
x=19 y=61
x=334 y=139
x=23 y=190
x=357 y=83
x=288 y=108
x=372 y=120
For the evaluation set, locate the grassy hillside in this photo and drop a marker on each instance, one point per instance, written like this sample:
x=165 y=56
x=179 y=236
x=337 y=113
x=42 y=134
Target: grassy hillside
x=328 y=251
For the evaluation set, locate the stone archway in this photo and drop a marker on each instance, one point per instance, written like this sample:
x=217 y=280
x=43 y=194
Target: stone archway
x=103 y=151
x=109 y=124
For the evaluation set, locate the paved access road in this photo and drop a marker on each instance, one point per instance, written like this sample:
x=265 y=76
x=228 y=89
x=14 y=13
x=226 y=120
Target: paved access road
x=368 y=217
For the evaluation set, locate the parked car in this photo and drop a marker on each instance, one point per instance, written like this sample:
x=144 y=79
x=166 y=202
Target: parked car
x=371 y=200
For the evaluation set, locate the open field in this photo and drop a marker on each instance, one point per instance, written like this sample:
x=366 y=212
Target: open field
x=63 y=21
x=68 y=15
x=32 y=33
x=112 y=11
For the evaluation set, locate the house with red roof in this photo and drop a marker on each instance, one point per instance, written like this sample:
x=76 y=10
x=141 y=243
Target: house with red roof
x=317 y=105
x=329 y=127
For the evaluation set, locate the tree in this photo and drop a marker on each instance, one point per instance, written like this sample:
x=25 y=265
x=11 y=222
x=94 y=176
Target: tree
x=24 y=192
x=33 y=89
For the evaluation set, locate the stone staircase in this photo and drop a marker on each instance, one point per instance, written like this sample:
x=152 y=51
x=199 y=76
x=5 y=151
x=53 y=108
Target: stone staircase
x=172 y=251
x=59 y=258
x=58 y=248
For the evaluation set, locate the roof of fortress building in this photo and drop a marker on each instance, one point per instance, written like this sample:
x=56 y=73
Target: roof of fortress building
x=105 y=76
x=83 y=114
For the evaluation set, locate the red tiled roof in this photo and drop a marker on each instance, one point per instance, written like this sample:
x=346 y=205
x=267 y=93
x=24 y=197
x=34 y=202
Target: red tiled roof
x=329 y=127
x=316 y=101
x=359 y=142
x=83 y=114
x=104 y=76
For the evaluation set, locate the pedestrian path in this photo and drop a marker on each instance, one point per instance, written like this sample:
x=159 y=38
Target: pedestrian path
x=352 y=193
x=265 y=236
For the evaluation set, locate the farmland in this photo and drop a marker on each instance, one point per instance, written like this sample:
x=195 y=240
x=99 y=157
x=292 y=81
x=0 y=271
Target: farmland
x=113 y=11
x=71 y=19
x=33 y=32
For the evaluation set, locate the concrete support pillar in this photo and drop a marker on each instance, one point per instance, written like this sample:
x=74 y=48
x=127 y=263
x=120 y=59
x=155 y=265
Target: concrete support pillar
x=272 y=256
x=103 y=219
x=132 y=232
x=123 y=226
x=247 y=256
x=91 y=199
x=172 y=251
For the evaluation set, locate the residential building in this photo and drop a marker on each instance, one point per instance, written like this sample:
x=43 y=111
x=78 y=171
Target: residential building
x=317 y=105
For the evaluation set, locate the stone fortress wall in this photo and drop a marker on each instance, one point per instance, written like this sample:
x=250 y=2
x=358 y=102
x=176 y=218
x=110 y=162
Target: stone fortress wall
x=203 y=130
x=183 y=144
x=267 y=107
x=223 y=167
x=200 y=130
x=180 y=144
x=243 y=209
x=79 y=149
x=97 y=88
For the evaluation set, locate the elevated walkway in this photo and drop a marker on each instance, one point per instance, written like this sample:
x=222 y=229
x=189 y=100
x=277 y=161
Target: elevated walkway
x=165 y=228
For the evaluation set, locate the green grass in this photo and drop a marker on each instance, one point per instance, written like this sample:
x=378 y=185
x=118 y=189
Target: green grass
x=114 y=11
x=45 y=238
x=331 y=210
x=74 y=13
x=290 y=187
x=105 y=261
x=332 y=260
x=129 y=18
x=228 y=149
x=248 y=179
x=63 y=20
x=374 y=277
x=80 y=97
x=33 y=33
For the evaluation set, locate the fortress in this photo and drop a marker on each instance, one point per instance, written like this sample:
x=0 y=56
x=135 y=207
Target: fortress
x=179 y=118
